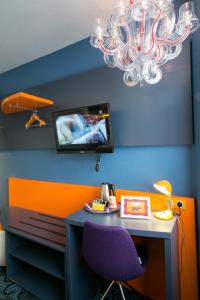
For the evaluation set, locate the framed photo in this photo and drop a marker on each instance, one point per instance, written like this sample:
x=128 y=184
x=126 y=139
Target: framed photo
x=135 y=207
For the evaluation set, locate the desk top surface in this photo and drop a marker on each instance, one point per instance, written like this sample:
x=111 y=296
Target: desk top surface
x=148 y=228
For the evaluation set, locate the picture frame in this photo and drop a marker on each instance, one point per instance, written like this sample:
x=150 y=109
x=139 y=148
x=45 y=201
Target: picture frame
x=137 y=207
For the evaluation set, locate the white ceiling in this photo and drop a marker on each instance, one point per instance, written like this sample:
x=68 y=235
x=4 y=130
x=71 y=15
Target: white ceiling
x=30 y=29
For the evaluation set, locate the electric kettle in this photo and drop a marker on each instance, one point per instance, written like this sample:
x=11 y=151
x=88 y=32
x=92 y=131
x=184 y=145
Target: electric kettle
x=105 y=191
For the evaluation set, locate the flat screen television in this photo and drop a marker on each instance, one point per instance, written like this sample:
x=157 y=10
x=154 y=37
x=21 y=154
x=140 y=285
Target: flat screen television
x=83 y=129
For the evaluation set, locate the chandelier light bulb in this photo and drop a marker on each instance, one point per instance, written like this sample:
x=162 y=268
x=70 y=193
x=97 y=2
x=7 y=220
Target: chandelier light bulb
x=142 y=36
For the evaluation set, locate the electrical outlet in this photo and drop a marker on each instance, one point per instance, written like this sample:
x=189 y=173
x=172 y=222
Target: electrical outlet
x=180 y=204
x=177 y=203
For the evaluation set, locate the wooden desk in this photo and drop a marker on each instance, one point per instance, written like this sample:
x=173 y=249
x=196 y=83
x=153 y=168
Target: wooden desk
x=81 y=282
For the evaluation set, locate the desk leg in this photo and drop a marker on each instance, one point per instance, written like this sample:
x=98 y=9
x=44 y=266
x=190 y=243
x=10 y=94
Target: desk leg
x=81 y=282
x=172 y=266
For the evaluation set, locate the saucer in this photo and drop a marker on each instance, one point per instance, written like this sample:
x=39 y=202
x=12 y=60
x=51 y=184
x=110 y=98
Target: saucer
x=106 y=211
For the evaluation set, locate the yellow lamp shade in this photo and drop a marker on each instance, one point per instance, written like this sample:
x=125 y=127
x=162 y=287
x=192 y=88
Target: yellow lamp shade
x=164 y=187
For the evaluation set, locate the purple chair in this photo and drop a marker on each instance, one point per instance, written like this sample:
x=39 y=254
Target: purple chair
x=111 y=253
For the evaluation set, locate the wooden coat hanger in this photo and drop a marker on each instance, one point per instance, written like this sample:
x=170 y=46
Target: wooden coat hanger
x=35 y=121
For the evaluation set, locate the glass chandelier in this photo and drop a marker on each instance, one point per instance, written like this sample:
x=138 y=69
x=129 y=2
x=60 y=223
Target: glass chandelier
x=142 y=35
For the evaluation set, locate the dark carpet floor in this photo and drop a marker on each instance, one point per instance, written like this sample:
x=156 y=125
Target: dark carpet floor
x=11 y=291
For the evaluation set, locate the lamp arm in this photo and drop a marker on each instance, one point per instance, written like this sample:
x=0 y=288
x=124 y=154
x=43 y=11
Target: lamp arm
x=168 y=203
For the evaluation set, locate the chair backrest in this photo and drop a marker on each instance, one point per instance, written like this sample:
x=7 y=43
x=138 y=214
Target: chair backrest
x=111 y=252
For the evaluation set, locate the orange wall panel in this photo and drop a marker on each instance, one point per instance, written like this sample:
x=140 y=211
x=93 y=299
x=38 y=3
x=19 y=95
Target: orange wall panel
x=58 y=199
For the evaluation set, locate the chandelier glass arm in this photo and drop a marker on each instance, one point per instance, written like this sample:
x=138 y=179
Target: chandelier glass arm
x=155 y=23
x=108 y=51
x=178 y=40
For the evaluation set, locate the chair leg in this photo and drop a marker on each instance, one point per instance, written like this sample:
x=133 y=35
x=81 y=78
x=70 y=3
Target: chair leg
x=121 y=291
x=106 y=292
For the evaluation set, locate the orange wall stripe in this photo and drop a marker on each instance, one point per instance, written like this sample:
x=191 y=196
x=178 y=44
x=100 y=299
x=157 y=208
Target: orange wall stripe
x=58 y=199
x=61 y=198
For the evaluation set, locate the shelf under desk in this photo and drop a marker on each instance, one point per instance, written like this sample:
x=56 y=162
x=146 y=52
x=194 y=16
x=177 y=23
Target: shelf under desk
x=35 y=252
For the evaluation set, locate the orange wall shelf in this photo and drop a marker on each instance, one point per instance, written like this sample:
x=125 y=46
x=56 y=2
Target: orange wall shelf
x=22 y=101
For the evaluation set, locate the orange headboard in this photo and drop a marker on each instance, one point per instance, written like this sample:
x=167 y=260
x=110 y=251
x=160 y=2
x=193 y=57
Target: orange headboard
x=62 y=199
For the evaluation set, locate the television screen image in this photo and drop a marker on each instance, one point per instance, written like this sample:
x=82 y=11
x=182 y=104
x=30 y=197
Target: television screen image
x=81 y=129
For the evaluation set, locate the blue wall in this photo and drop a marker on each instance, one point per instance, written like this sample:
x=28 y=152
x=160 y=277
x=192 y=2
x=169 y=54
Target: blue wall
x=4 y=173
x=132 y=168
x=196 y=98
